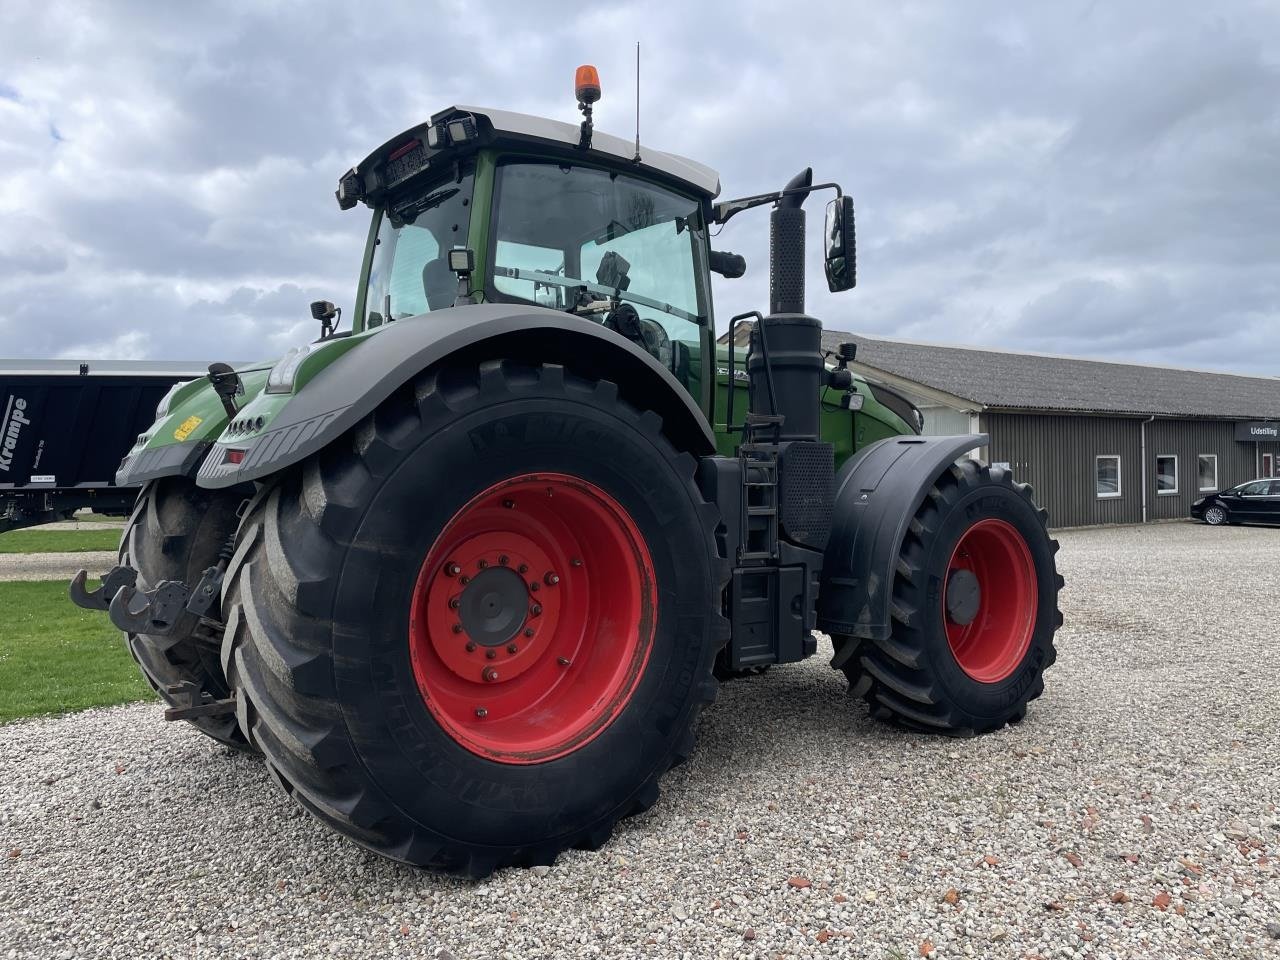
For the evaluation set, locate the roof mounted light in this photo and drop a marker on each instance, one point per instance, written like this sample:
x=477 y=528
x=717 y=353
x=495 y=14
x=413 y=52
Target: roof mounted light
x=586 y=84
x=350 y=190
x=437 y=137
x=462 y=129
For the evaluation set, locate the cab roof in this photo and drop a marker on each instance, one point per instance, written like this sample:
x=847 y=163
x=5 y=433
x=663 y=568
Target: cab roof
x=505 y=125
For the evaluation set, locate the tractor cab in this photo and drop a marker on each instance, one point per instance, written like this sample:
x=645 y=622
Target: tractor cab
x=487 y=206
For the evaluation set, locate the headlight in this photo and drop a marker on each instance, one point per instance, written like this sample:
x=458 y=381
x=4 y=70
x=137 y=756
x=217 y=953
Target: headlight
x=1200 y=501
x=282 y=375
x=162 y=408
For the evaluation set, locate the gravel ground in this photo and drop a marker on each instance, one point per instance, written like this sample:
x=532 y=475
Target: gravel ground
x=55 y=566
x=1133 y=814
x=110 y=523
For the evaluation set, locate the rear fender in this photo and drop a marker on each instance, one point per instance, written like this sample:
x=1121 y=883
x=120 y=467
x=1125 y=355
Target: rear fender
x=373 y=367
x=878 y=491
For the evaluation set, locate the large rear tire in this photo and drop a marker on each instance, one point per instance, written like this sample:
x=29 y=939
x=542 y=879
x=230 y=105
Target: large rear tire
x=975 y=609
x=176 y=531
x=477 y=632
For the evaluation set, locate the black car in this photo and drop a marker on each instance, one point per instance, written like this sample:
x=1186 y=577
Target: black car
x=1257 y=501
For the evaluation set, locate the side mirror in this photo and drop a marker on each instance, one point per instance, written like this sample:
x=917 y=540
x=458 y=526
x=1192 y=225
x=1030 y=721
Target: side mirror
x=840 y=246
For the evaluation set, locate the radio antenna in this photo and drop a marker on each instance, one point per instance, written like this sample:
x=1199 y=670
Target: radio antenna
x=636 y=158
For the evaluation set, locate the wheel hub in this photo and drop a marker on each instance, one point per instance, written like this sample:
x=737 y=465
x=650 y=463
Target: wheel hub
x=964 y=596
x=493 y=606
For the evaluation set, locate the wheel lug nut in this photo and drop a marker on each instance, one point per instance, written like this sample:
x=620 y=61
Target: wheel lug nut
x=490 y=675
x=563 y=661
x=481 y=712
x=575 y=562
x=512 y=648
x=509 y=504
x=504 y=560
x=457 y=628
x=535 y=610
x=455 y=603
x=464 y=580
x=535 y=586
x=551 y=579
x=528 y=631
x=482 y=564
x=491 y=654
x=451 y=569
x=471 y=646
x=523 y=568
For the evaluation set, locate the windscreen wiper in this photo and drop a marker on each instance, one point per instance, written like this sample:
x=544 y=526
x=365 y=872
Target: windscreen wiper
x=410 y=211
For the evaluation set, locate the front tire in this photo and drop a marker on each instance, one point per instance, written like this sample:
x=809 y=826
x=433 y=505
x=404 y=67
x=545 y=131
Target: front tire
x=372 y=619
x=975 y=609
x=1216 y=516
x=176 y=530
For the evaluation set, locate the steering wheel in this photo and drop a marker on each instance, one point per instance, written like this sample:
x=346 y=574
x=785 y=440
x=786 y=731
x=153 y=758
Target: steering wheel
x=657 y=342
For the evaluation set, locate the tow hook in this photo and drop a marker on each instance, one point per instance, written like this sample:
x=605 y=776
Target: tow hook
x=100 y=599
x=171 y=608
x=163 y=612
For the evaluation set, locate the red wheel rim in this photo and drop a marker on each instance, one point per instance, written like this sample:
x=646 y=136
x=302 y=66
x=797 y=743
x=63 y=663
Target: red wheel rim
x=989 y=600
x=532 y=618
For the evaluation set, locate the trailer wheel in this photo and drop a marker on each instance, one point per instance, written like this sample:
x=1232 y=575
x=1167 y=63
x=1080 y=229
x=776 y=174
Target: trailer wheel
x=477 y=631
x=174 y=533
x=975 y=609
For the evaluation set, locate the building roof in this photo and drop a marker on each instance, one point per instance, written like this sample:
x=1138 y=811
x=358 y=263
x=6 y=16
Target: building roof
x=999 y=379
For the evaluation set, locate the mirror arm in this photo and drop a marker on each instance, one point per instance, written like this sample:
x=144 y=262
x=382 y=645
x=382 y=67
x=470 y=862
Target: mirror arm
x=722 y=212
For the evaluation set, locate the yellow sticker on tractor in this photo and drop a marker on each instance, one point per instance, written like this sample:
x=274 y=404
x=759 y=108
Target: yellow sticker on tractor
x=185 y=428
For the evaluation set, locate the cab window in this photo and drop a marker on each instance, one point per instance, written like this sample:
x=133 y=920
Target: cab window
x=410 y=272
x=565 y=233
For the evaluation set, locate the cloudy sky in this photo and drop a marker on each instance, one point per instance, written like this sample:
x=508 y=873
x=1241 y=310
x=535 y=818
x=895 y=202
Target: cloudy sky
x=1080 y=177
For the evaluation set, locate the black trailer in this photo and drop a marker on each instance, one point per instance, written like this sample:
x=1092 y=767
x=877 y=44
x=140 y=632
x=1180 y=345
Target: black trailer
x=65 y=427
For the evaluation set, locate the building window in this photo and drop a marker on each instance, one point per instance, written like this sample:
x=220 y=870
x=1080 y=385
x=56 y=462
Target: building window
x=1166 y=473
x=1207 y=471
x=1107 y=475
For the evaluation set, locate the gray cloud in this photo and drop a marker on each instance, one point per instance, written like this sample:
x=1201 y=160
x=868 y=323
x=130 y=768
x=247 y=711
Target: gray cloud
x=1080 y=178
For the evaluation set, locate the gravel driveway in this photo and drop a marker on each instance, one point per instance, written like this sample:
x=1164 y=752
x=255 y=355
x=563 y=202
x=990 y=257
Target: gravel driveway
x=1134 y=813
x=55 y=566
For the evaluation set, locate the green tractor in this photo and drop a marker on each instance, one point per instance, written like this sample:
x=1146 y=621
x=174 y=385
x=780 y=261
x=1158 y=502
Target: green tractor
x=466 y=572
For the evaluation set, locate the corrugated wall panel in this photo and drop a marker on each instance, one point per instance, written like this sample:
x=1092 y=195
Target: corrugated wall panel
x=1187 y=439
x=1056 y=455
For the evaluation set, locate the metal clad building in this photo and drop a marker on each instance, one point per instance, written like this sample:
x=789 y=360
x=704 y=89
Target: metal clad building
x=1101 y=442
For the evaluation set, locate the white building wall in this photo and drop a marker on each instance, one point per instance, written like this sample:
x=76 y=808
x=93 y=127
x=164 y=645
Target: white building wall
x=944 y=422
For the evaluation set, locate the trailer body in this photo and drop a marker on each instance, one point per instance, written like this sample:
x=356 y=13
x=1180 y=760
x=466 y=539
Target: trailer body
x=65 y=424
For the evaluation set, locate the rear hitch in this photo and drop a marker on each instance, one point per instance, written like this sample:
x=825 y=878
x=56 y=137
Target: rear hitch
x=190 y=701
x=171 y=608
x=100 y=599
x=163 y=612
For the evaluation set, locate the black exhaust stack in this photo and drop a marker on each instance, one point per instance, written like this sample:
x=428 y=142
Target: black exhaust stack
x=794 y=340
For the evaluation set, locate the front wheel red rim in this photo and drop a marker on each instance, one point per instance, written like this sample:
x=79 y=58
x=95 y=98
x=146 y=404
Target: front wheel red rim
x=990 y=600
x=532 y=618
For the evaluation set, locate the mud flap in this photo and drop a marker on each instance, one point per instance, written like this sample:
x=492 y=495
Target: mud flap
x=878 y=491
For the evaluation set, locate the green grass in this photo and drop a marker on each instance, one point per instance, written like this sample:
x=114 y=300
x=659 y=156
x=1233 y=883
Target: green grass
x=55 y=657
x=35 y=540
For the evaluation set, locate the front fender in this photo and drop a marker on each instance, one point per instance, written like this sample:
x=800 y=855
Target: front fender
x=878 y=491
x=373 y=367
x=179 y=439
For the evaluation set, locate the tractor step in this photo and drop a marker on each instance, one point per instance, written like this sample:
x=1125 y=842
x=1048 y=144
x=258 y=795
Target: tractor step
x=190 y=701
